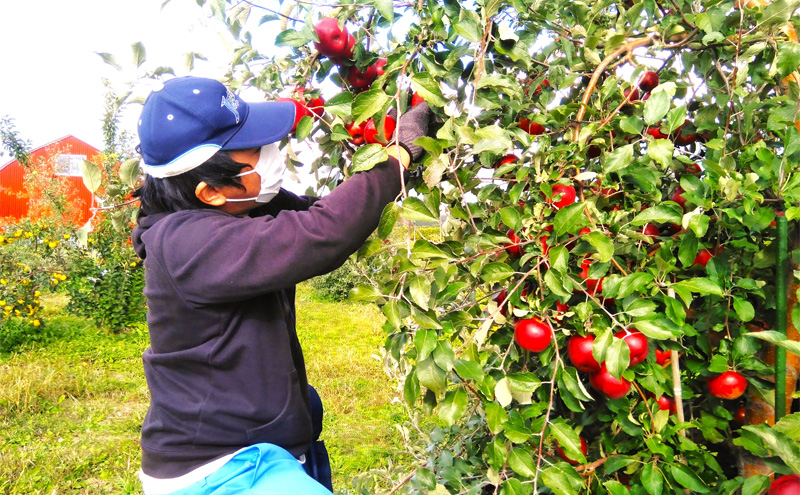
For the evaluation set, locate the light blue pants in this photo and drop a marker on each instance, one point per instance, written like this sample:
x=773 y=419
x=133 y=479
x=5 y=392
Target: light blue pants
x=261 y=469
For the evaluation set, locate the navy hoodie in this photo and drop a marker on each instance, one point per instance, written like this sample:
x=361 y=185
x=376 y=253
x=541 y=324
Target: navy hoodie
x=224 y=368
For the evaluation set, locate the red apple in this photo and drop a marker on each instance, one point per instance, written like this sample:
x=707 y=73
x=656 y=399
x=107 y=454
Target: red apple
x=362 y=80
x=663 y=357
x=785 y=485
x=347 y=53
x=379 y=65
x=703 y=257
x=605 y=383
x=650 y=230
x=371 y=132
x=740 y=415
x=683 y=140
x=677 y=196
x=506 y=159
x=593 y=286
x=667 y=404
x=728 y=385
x=561 y=308
x=332 y=39
x=631 y=95
x=694 y=169
x=300 y=111
x=648 y=82
x=656 y=133
x=514 y=249
x=533 y=334
x=356 y=133
x=499 y=298
x=637 y=343
x=532 y=128
x=563 y=195
x=560 y=451
x=416 y=99
x=579 y=350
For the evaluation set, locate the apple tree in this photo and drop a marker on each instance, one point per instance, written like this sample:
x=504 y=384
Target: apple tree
x=610 y=180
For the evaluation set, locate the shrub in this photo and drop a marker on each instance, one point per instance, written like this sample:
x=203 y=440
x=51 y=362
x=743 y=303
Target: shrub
x=106 y=280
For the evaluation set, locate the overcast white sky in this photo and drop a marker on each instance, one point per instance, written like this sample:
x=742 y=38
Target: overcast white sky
x=52 y=78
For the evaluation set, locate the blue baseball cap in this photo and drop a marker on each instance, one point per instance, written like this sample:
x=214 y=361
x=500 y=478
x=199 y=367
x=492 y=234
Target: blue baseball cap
x=189 y=119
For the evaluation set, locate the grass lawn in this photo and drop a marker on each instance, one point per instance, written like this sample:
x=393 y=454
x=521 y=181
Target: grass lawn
x=71 y=409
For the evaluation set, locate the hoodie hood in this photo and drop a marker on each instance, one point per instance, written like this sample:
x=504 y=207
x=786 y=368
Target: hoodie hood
x=143 y=224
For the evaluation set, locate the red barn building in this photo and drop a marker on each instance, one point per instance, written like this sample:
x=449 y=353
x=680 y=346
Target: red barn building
x=61 y=158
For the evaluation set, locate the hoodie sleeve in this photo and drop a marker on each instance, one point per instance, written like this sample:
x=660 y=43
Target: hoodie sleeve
x=285 y=200
x=212 y=257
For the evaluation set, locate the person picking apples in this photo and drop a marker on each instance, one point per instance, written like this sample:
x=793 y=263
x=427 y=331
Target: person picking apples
x=223 y=247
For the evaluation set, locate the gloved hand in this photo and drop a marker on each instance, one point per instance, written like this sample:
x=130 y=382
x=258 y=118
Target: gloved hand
x=412 y=125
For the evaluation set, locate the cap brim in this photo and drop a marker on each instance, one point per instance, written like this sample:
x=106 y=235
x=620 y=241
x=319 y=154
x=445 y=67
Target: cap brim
x=266 y=123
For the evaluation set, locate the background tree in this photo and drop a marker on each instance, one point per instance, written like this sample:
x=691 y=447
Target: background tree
x=612 y=177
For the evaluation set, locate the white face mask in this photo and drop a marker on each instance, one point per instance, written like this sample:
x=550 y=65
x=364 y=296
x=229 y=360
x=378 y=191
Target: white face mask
x=270 y=167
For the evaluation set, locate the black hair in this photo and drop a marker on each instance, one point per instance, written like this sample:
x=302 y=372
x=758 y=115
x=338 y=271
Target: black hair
x=177 y=193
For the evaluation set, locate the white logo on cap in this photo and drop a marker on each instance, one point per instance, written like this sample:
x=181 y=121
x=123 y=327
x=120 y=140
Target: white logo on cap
x=230 y=102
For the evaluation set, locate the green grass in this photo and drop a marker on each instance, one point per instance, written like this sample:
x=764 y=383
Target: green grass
x=71 y=409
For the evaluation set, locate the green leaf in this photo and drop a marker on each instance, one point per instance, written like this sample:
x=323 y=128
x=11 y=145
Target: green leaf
x=618 y=357
x=675 y=118
x=658 y=329
x=110 y=60
x=495 y=417
x=453 y=406
x=701 y=285
x=364 y=292
x=659 y=214
x=788 y=59
x=686 y=478
x=568 y=440
x=511 y=217
x=424 y=319
x=431 y=376
x=744 y=310
x=614 y=487
x=139 y=54
x=496 y=271
x=755 y=484
x=570 y=218
x=656 y=107
x=652 y=479
x=602 y=244
x=392 y=311
x=778 y=339
x=491 y=138
x=415 y=210
x=468 y=29
x=521 y=461
x=499 y=82
x=304 y=128
x=129 y=172
x=388 y=220
x=425 y=342
x=92 y=177
x=341 y=105
x=290 y=37
x=423 y=249
x=420 y=289
x=619 y=159
x=428 y=88
x=513 y=486
x=661 y=151
x=367 y=157
x=554 y=283
x=385 y=7
x=368 y=104
x=631 y=125
x=411 y=388
x=562 y=479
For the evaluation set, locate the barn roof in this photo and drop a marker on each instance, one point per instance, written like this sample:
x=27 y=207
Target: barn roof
x=51 y=143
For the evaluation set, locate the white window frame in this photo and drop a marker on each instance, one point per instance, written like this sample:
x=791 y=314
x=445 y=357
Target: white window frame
x=73 y=165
